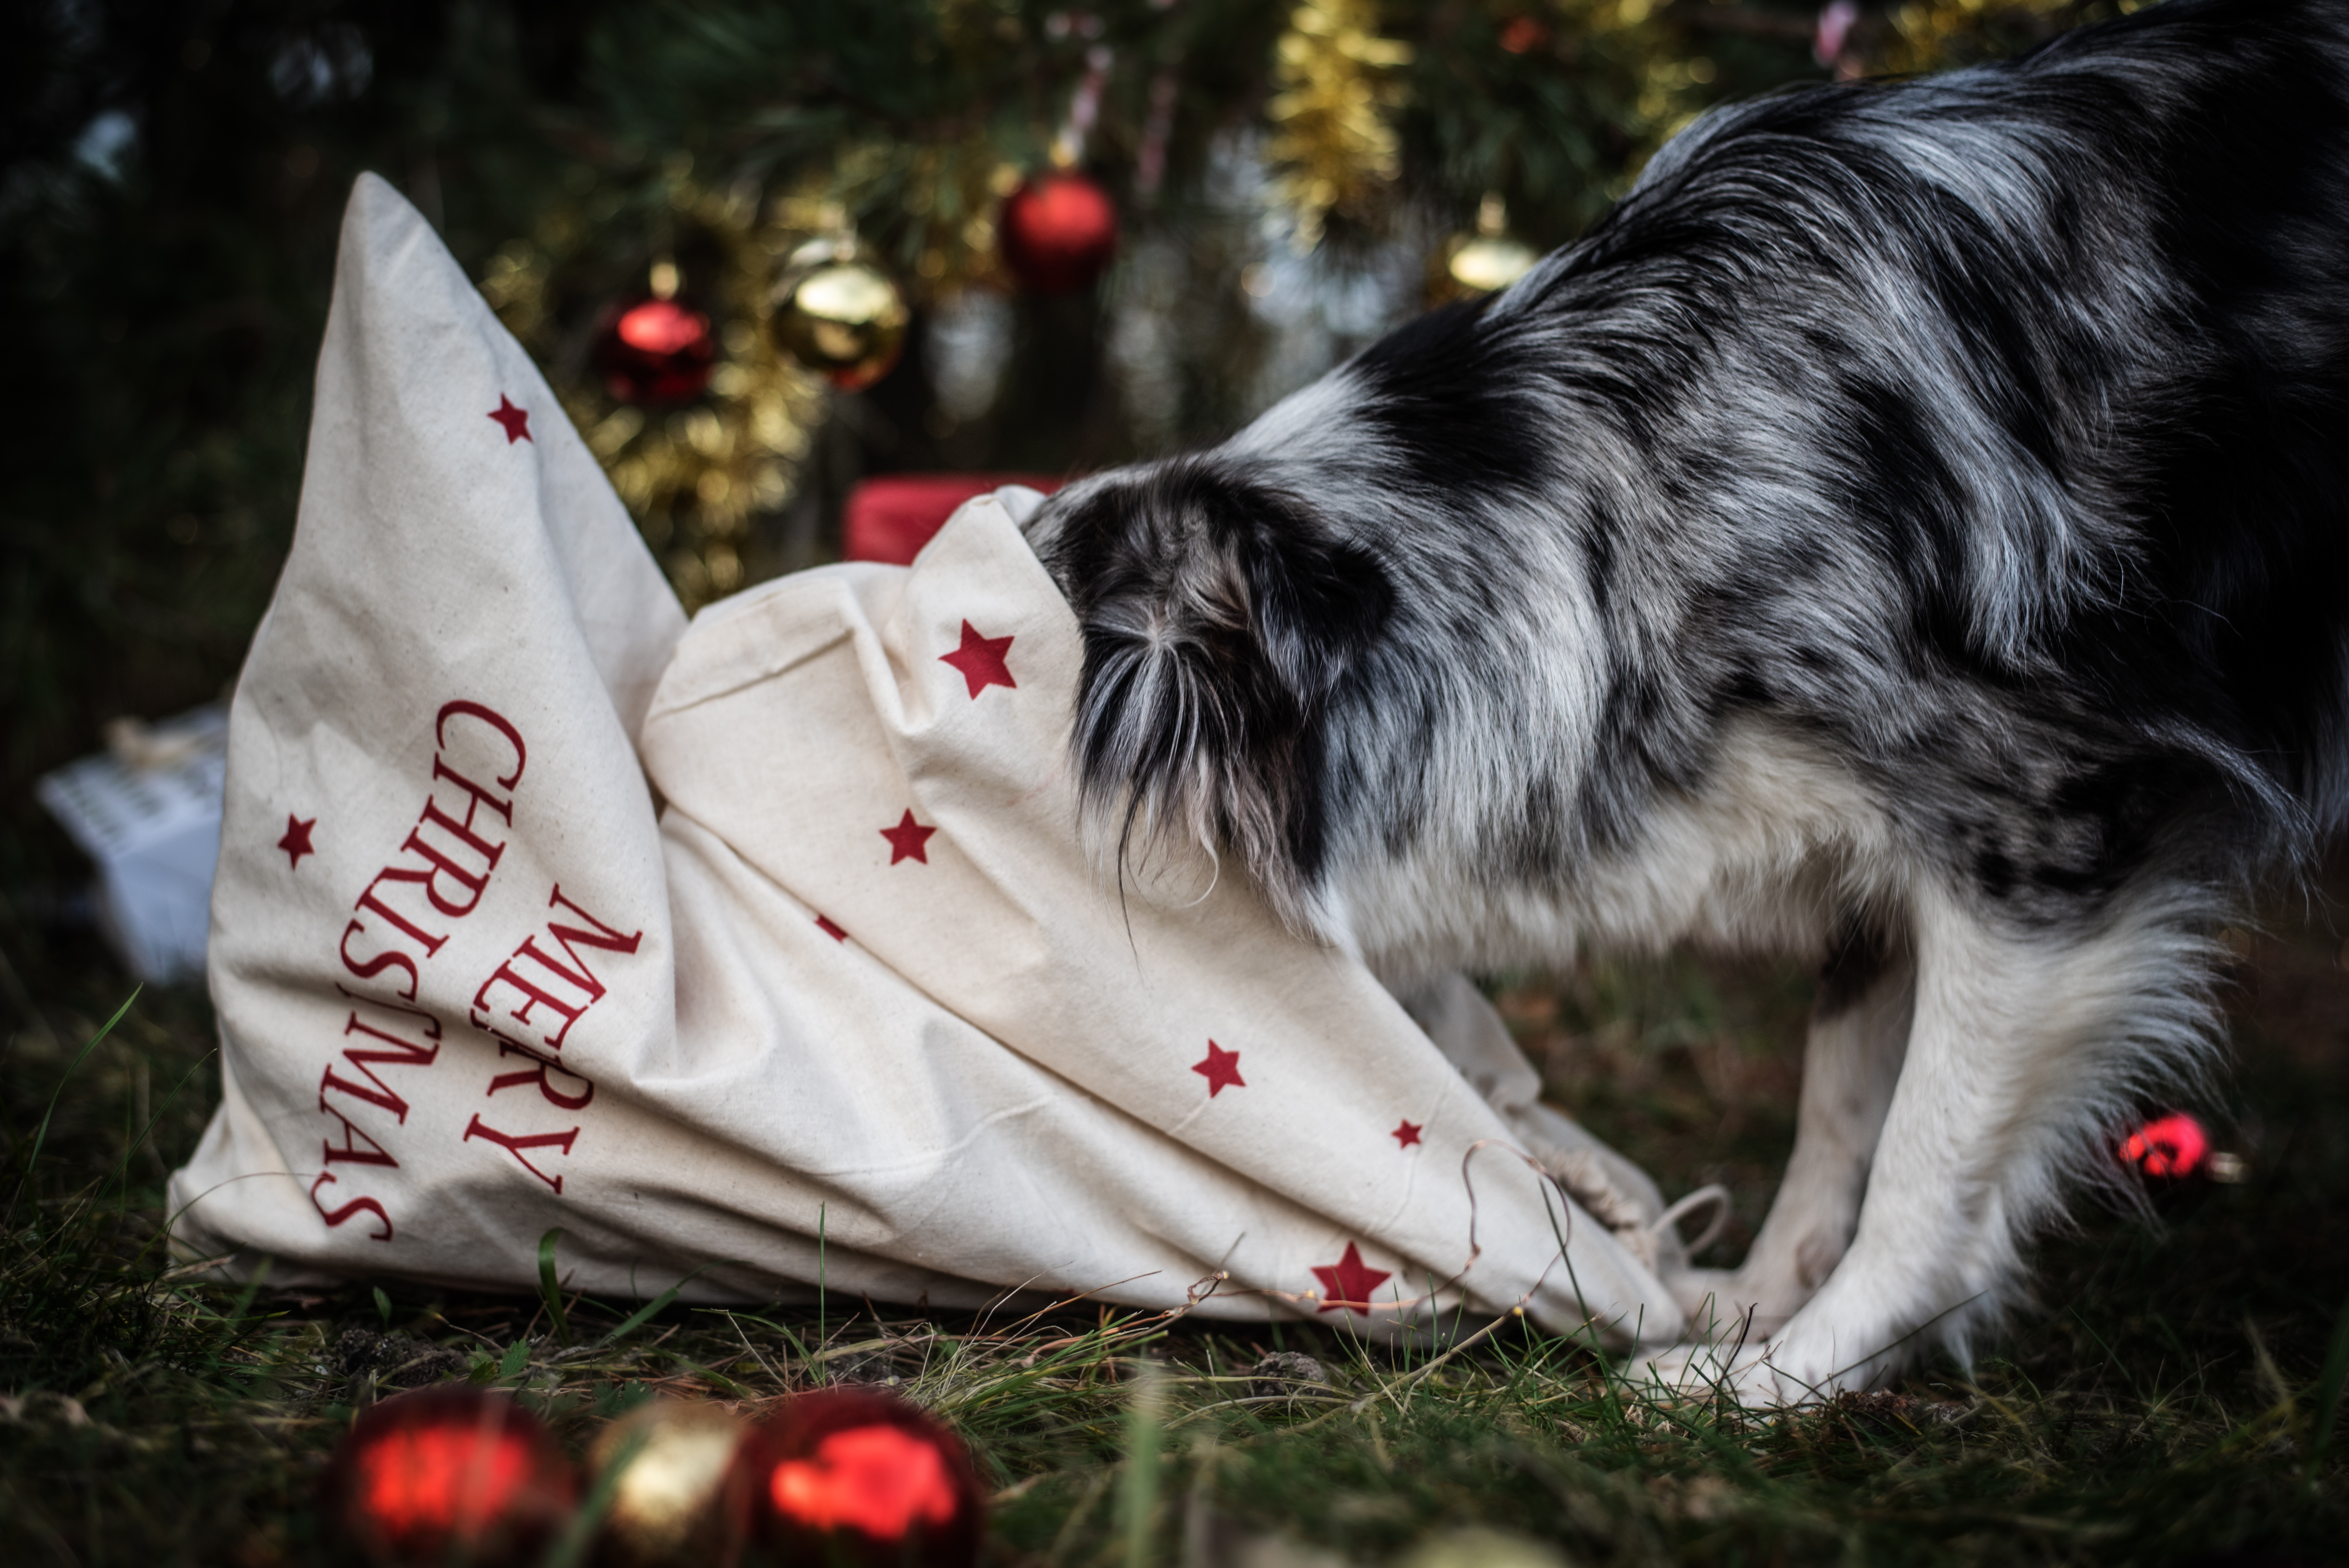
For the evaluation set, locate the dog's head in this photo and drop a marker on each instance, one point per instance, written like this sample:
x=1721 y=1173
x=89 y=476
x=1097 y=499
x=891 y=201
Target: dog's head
x=1225 y=619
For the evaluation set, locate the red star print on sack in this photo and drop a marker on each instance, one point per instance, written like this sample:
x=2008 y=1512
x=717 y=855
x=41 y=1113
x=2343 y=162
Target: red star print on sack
x=1349 y=1284
x=1407 y=1135
x=1221 y=1070
x=980 y=660
x=515 y=421
x=297 y=841
x=823 y=923
x=906 y=840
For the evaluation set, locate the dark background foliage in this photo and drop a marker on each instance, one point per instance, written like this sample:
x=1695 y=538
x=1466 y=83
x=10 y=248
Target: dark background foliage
x=171 y=176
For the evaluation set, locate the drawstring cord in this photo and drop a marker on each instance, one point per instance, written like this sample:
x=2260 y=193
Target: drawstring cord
x=1669 y=1221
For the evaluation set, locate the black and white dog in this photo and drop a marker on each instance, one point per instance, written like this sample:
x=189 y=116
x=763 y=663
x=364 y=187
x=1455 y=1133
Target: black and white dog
x=1912 y=530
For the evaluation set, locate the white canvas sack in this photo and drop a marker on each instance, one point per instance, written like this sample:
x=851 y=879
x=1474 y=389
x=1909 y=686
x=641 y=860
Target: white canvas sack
x=538 y=908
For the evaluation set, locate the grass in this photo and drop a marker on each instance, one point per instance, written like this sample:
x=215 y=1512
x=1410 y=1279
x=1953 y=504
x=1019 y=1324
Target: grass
x=2174 y=1397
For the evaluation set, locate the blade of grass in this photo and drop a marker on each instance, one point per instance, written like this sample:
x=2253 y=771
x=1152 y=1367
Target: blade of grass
x=237 y=1315
x=2328 y=1391
x=570 y=1548
x=798 y=1345
x=41 y=1135
x=551 y=1288
x=650 y=1309
x=1137 y=1498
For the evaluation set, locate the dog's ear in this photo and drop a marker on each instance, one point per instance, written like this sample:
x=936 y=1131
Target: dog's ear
x=1223 y=619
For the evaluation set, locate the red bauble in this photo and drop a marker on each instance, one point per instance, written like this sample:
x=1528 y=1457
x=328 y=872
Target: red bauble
x=1059 y=231
x=2171 y=1147
x=857 y=1477
x=655 y=350
x=2174 y=1158
x=449 y=1474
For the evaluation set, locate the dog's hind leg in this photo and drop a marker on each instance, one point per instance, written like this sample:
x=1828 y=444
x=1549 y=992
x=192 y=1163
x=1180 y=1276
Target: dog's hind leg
x=2024 y=1045
x=1851 y=1060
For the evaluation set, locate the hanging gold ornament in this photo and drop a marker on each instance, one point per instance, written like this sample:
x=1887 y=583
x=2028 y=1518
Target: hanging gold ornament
x=839 y=315
x=1333 y=148
x=1482 y=261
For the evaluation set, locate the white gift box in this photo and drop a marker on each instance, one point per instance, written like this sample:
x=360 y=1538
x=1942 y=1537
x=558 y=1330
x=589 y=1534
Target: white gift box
x=148 y=814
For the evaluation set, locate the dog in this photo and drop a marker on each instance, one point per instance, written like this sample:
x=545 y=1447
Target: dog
x=1910 y=533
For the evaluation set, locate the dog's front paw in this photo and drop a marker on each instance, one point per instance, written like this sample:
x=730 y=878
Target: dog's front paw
x=1728 y=1304
x=1708 y=1296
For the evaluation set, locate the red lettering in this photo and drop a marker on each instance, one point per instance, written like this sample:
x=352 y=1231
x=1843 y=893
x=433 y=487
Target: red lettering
x=431 y=1030
x=515 y=1146
x=402 y=1054
x=581 y=979
x=350 y=1153
x=481 y=796
x=443 y=866
x=382 y=961
x=368 y=899
x=605 y=937
x=537 y=1076
x=534 y=997
x=497 y=721
x=336 y=1216
x=378 y=1095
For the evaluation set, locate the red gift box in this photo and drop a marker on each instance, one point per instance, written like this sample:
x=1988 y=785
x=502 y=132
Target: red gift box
x=891 y=518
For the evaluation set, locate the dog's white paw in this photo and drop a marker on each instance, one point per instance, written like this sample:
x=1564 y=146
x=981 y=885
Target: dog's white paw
x=1708 y=1297
x=1725 y=1303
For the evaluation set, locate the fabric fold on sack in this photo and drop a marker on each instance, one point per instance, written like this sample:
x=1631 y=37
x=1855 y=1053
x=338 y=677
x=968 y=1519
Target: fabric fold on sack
x=852 y=1003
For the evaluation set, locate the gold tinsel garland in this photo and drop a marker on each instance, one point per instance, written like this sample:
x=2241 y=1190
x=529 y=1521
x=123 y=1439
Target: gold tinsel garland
x=698 y=478
x=1930 y=35
x=694 y=477
x=1333 y=146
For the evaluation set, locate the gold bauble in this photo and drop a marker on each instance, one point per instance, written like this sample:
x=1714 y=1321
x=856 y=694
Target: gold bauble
x=842 y=318
x=1484 y=261
x=667 y=1467
x=1485 y=264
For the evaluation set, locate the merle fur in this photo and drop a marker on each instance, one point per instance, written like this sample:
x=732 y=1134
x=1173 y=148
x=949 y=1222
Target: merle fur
x=1987 y=436
x=2022 y=483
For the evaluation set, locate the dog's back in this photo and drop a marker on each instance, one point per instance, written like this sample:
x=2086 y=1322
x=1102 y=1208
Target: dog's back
x=1992 y=429
x=2077 y=335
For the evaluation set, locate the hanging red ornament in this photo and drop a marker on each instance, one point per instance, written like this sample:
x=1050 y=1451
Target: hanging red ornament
x=2171 y=1147
x=1059 y=230
x=1523 y=33
x=2173 y=1156
x=857 y=1477
x=654 y=349
x=449 y=1474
